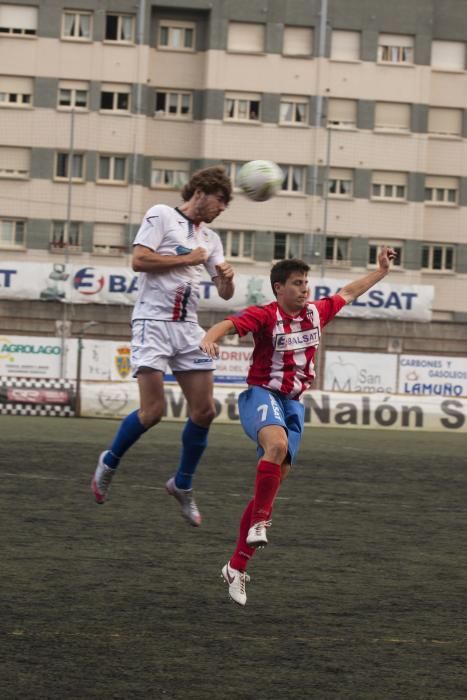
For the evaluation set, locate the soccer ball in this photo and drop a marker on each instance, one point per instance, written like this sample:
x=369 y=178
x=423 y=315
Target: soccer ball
x=260 y=179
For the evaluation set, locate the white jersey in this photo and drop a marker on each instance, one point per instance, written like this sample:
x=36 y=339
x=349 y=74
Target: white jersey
x=173 y=295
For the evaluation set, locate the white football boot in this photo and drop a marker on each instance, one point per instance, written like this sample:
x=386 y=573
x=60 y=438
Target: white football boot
x=237 y=583
x=187 y=502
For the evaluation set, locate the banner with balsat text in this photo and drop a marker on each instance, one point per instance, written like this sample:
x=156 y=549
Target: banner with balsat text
x=79 y=284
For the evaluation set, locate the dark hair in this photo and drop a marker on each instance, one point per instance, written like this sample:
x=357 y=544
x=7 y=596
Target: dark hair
x=282 y=270
x=209 y=180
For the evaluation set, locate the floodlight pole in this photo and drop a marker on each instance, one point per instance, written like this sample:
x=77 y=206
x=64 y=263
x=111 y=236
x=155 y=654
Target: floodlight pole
x=66 y=241
x=318 y=116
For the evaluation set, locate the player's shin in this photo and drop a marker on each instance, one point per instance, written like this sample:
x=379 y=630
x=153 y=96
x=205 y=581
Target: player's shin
x=194 y=442
x=243 y=552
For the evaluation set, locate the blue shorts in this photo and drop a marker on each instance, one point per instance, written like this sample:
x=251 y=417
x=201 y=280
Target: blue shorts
x=259 y=407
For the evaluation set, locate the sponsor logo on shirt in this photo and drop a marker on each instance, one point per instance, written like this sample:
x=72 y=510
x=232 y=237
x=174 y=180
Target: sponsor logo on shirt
x=286 y=342
x=183 y=250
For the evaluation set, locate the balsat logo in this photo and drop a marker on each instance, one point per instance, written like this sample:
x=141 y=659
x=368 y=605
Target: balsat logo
x=86 y=281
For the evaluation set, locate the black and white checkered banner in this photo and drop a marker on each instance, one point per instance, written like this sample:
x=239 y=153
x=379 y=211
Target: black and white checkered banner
x=24 y=396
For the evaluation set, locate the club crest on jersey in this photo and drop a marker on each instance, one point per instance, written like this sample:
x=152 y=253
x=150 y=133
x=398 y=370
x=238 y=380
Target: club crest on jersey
x=286 y=342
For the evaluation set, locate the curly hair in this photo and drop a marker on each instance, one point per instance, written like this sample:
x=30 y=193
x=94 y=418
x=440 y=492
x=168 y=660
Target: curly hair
x=209 y=180
x=282 y=270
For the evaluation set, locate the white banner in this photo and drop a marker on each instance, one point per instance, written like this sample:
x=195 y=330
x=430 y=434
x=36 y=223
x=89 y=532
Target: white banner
x=432 y=375
x=322 y=409
x=35 y=356
x=106 y=285
x=361 y=372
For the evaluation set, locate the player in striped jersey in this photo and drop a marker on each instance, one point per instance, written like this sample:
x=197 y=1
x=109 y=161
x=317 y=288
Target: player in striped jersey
x=286 y=336
x=170 y=249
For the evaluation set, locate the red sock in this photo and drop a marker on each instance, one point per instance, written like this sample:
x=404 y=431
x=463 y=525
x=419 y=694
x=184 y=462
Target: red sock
x=268 y=479
x=243 y=552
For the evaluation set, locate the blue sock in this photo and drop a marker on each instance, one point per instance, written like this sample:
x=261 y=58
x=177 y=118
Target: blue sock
x=130 y=430
x=194 y=442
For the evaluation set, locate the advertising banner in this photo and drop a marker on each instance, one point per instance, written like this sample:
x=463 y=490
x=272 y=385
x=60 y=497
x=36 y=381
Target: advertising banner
x=361 y=372
x=35 y=356
x=107 y=285
x=432 y=375
x=321 y=408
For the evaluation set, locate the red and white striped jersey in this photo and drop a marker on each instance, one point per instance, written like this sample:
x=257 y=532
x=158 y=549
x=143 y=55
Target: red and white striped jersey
x=173 y=295
x=285 y=346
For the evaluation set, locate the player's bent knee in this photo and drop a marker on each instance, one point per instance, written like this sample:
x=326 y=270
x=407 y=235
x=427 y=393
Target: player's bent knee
x=277 y=452
x=203 y=416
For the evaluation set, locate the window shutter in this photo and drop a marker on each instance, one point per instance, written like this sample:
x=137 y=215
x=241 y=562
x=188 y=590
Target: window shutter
x=17 y=17
x=345 y=45
x=297 y=41
x=443 y=120
x=245 y=36
x=392 y=115
x=448 y=54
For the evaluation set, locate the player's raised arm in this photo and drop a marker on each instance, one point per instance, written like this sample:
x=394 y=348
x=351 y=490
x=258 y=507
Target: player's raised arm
x=146 y=260
x=215 y=333
x=224 y=280
x=353 y=290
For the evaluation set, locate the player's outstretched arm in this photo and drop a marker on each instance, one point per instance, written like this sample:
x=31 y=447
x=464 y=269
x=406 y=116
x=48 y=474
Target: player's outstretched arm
x=224 y=280
x=215 y=333
x=353 y=290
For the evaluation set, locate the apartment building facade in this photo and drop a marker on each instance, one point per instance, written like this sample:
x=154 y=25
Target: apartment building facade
x=106 y=108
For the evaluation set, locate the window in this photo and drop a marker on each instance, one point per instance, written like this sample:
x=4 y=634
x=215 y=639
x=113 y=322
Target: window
x=392 y=116
x=438 y=257
x=395 y=48
x=245 y=37
x=444 y=121
x=448 y=55
x=12 y=233
x=18 y=20
x=120 y=27
x=112 y=170
x=15 y=91
x=73 y=95
x=288 y=245
x=65 y=235
x=345 y=46
x=389 y=185
x=441 y=190
x=115 y=98
x=298 y=41
x=176 y=36
x=294 y=111
x=342 y=113
x=337 y=250
x=233 y=169
x=173 y=104
x=109 y=239
x=77 y=25
x=242 y=107
x=374 y=249
x=340 y=182
x=62 y=167
x=169 y=174
x=14 y=162
x=237 y=244
x=294 y=178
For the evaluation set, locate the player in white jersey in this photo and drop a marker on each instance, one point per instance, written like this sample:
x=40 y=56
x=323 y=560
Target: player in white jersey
x=170 y=249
